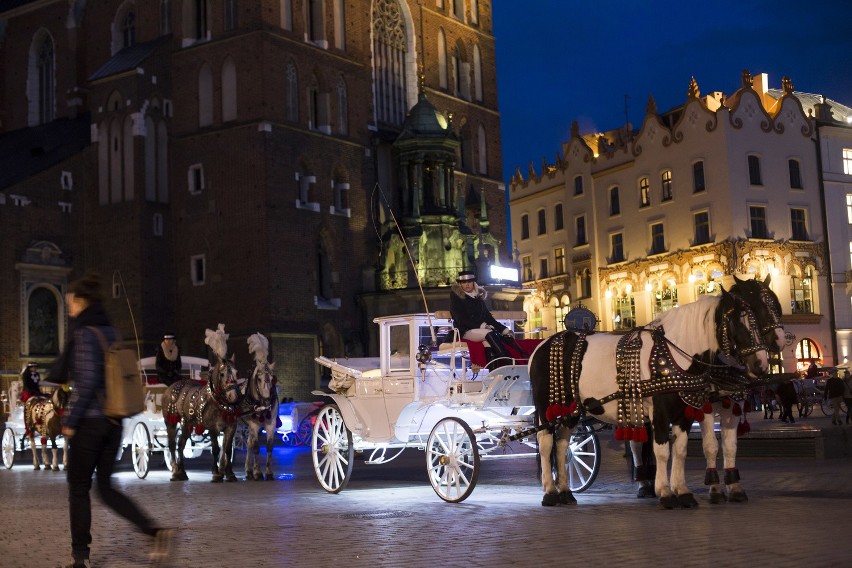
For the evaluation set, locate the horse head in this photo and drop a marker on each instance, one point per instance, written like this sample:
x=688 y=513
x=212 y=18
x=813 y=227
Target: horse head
x=263 y=379
x=760 y=297
x=739 y=334
x=59 y=399
x=224 y=382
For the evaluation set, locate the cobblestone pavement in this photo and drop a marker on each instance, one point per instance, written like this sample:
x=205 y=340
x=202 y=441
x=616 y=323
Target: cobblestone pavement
x=389 y=516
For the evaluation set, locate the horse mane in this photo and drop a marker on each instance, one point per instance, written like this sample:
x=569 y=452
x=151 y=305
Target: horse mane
x=692 y=326
x=217 y=340
x=259 y=345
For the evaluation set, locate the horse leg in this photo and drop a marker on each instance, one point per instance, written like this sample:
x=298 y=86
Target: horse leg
x=35 y=452
x=251 y=442
x=270 y=438
x=179 y=473
x=216 y=451
x=661 y=479
x=711 y=452
x=226 y=460
x=562 y=441
x=641 y=470
x=728 y=424
x=54 y=450
x=545 y=447
x=678 y=475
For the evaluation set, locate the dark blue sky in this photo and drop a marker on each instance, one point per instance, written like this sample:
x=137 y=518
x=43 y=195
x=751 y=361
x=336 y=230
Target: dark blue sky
x=565 y=60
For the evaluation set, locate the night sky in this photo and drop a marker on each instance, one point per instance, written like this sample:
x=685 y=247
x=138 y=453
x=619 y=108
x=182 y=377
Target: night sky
x=565 y=60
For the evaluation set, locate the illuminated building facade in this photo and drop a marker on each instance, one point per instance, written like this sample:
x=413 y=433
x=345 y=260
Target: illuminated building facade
x=631 y=223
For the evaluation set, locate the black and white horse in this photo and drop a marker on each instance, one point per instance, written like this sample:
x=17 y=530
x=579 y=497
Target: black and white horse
x=42 y=416
x=615 y=377
x=260 y=408
x=214 y=407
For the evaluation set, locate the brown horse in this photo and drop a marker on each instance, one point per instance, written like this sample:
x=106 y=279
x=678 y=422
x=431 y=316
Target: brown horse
x=42 y=416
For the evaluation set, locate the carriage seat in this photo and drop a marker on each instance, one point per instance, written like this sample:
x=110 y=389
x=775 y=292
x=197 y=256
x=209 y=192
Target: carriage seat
x=477 y=351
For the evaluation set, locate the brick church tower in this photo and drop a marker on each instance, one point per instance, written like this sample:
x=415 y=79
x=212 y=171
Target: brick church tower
x=237 y=162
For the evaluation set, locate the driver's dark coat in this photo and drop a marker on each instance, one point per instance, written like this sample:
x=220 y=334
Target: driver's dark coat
x=471 y=312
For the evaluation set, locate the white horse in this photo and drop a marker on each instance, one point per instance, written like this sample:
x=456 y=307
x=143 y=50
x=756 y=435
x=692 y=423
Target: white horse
x=260 y=407
x=616 y=384
x=42 y=416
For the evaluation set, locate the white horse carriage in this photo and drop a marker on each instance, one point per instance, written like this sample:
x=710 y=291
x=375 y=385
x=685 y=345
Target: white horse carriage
x=36 y=431
x=437 y=401
x=145 y=433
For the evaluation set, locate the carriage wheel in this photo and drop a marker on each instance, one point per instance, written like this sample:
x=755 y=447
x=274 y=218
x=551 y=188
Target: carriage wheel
x=303 y=432
x=584 y=459
x=825 y=406
x=140 y=444
x=8 y=447
x=452 y=460
x=332 y=449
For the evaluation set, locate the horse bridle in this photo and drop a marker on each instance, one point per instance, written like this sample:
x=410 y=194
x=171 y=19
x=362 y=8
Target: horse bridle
x=774 y=314
x=727 y=343
x=220 y=395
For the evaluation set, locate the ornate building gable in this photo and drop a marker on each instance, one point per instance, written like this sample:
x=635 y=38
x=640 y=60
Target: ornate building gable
x=788 y=112
x=747 y=107
x=653 y=132
x=695 y=115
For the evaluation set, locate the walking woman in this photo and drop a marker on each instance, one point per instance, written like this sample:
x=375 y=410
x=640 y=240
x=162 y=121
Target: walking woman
x=93 y=438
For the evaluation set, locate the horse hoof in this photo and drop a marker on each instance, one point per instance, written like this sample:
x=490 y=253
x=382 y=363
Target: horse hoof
x=269 y=477
x=217 y=479
x=56 y=468
x=231 y=478
x=738 y=497
x=567 y=498
x=687 y=501
x=180 y=476
x=645 y=492
x=668 y=502
x=717 y=497
x=550 y=500
x=36 y=468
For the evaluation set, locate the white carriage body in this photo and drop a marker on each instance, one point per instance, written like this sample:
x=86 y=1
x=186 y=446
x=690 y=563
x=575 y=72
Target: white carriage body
x=394 y=400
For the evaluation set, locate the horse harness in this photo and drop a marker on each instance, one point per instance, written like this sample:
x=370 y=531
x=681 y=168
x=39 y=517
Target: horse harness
x=261 y=406
x=666 y=375
x=198 y=399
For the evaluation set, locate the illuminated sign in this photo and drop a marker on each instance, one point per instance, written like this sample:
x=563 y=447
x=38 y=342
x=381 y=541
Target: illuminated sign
x=504 y=273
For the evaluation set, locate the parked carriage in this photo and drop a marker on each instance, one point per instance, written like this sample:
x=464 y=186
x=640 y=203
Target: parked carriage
x=436 y=400
x=145 y=433
x=14 y=433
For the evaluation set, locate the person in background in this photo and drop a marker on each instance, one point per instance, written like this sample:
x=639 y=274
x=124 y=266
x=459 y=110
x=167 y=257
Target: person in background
x=473 y=319
x=787 y=396
x=31 y=380
x=847 y=394
x=93 y=438
x=169 y=364
x=833 y=393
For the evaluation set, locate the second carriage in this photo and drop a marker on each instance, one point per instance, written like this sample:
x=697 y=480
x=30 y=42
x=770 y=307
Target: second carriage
x=442 y=401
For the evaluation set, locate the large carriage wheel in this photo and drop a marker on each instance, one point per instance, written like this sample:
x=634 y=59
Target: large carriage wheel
x=8 y=447
x=584 y=458
x=332 y=449
x=140 y=445
x=452 y=460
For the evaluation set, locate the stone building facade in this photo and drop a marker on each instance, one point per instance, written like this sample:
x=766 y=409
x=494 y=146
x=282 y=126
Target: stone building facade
x=631 y=223
x=221 y=161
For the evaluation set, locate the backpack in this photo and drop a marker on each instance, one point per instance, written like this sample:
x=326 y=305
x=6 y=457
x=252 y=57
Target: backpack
x=125 y=393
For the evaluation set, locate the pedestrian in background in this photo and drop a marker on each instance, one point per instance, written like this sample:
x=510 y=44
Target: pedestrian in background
x=767 y=398
x=833 y=393
x=847 y=394
x=787 y=397
x=93 y=438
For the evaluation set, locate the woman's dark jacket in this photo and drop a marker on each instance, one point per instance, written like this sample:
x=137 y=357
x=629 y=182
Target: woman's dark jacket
x=471 y=312
x=84 y=365
x=168 y=371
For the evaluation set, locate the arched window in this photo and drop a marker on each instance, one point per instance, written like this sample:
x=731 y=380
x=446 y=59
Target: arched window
x=128 y=29
x=442 y=59
x=43 y=322
x=458 y=9
x=342 y=107
x=807 y=352
x=129 y=159
x=313 y=105
x=390 y=47
x=623 y=311
x=287 y=14
x=165 y=17
x=41 y=80
x=292 y=93
x=205 y=95
x=123 y=27
x=461 y=72
x=156 y=160
x=315 y=22
x=229 y=90
x=477 y=74
x=483 y=151
x=339 y=24
x=663 y=296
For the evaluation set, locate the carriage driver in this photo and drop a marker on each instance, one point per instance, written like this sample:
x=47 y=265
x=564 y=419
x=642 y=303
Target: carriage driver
x=168 y=360
x=472 y=318
x=31 y=379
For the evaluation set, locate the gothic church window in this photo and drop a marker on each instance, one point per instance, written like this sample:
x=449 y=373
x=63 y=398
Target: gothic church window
x=315 y=22
x=483 y=151
x=229 y=90
x=389 y=62
x=41 y=79
x=205 y=95
x=442 y=59
x=43 y=322
x=292 y=93
x=165 y=17
x=287 y=15
x=339 y=25
x=231 y=21
x=342 y=107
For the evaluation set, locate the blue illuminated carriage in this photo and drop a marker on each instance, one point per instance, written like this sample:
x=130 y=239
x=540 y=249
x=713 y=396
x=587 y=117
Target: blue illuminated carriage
x=435 y=400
